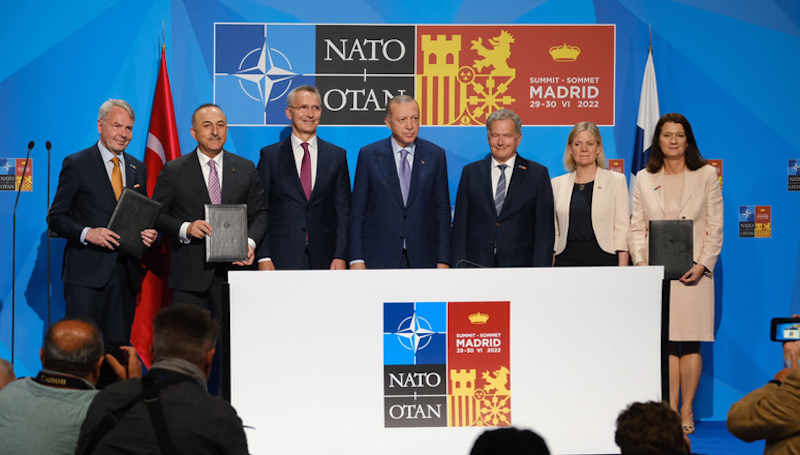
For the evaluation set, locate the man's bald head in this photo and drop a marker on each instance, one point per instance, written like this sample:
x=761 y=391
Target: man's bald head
x=72 y=346
x=6 y=373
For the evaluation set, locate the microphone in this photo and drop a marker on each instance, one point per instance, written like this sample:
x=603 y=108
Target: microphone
x=14 y=251
x=466 y=263
x=48 y=145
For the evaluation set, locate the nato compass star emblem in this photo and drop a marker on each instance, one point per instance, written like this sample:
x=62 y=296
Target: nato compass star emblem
x=414 y=333
x=794 y=167
x=260 y=79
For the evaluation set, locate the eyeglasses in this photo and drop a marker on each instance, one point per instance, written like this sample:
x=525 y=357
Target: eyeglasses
x=306 y=108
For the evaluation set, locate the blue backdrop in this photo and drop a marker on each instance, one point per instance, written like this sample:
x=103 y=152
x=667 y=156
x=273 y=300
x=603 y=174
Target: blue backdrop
x=729 y=66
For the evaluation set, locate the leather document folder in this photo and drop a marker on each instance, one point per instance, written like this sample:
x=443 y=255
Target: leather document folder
x=134 y=213
x=228 y=239
x=671 y=245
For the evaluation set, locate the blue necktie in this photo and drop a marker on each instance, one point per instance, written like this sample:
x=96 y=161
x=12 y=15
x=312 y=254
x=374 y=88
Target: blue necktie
x=500 y=193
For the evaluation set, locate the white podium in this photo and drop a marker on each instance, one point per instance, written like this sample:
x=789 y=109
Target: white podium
x=307 y=359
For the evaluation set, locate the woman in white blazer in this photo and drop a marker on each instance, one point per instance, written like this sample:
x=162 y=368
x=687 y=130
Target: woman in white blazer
x=678 y=184
x=591 y=205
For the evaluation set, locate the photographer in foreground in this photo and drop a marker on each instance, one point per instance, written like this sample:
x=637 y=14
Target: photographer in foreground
x=772 y=412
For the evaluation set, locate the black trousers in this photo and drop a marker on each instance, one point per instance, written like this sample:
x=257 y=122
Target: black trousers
x=111 y=307
x=215 y=300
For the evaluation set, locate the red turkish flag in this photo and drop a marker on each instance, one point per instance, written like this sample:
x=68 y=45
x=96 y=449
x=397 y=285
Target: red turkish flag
x=162 y=146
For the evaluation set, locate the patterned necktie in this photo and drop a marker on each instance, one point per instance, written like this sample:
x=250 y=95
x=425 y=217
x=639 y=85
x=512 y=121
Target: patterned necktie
x=404 y=174
x=500 y=193
x=214 y=190
x=116 y=178
x=305 y=171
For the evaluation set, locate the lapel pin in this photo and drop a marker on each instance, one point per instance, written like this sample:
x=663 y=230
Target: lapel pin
x=137 y=185
x=132 y=165
x=421 y=161
x=657 y=188
x=523 y=167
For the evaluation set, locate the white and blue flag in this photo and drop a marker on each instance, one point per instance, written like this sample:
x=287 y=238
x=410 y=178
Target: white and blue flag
x=647 y=119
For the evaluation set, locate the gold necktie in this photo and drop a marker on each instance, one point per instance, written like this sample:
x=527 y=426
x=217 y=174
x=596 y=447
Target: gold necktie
x=116 y=178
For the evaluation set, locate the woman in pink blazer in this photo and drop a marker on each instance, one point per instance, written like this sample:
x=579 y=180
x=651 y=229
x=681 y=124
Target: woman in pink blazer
x=591 y=204
x=678 y=184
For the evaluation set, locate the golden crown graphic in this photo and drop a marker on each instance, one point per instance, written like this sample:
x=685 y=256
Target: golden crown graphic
x=565 y=53
x=478 y=318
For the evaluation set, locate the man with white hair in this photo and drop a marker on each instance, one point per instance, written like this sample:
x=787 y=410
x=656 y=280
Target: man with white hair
x=100 y=284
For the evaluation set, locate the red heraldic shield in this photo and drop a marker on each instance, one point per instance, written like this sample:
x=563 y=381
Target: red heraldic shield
x=478 y=363
x=162 y=146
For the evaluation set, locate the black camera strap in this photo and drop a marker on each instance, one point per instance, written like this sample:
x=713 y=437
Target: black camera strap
x=63 y=381
x=152 y=399
x=151 y=390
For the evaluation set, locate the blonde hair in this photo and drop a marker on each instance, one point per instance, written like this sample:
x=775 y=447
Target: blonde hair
x=569 y=161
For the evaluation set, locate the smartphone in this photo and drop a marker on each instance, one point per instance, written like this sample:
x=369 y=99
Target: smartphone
x=785 y=329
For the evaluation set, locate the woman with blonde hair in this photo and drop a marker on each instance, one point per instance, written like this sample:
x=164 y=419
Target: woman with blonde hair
x=591 y=205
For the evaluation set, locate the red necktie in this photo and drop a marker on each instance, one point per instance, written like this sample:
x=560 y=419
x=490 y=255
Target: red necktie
x=305 y=171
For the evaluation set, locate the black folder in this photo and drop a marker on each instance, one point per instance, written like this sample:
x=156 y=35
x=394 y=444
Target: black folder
x=671 y=245
x=134 y=213
x=228 y=239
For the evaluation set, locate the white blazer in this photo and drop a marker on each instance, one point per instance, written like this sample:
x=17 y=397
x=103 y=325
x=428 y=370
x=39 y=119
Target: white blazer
x=610 y=209
x=701 y=202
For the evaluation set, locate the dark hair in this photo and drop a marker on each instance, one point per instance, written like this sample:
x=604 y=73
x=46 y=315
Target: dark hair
x=184 y=331
x=650 y=428
x=694 y=160
x=509 y=441
x=203 y=106
x=72 y=350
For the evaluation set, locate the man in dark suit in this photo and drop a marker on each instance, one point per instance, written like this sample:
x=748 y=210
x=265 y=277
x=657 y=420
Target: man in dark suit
x=401 y=202
x=207 y=175
x=504 y=205
x=307 y=189
x=100 y=284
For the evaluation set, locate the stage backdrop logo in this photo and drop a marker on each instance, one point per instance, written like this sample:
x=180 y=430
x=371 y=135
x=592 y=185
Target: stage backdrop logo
x=357 y=69
x=617 y=165
x=549 y=75
x=11 y=174
x=446 y=364
x=793 y=173
x=717 y=165
x=755 y=221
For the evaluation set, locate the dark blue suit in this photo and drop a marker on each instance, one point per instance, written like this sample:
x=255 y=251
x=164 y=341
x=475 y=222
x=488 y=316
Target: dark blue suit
x=305 y=233
x=85 y=198
x=524 y=231
x=380 y=221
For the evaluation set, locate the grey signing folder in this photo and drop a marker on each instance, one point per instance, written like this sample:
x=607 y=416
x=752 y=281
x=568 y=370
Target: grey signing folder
x=134 y=213
x=671 y=245
x=228 y=239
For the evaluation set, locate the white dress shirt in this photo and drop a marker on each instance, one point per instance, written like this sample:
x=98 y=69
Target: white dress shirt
x=509 y=171
x=206 y=169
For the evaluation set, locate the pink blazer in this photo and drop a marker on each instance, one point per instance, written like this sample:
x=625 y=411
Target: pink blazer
x=610 y=212
x=701 y=202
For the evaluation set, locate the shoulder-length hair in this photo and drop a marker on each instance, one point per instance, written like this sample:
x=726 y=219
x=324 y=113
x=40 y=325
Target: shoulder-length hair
x=692 y=156
x=569 y=161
